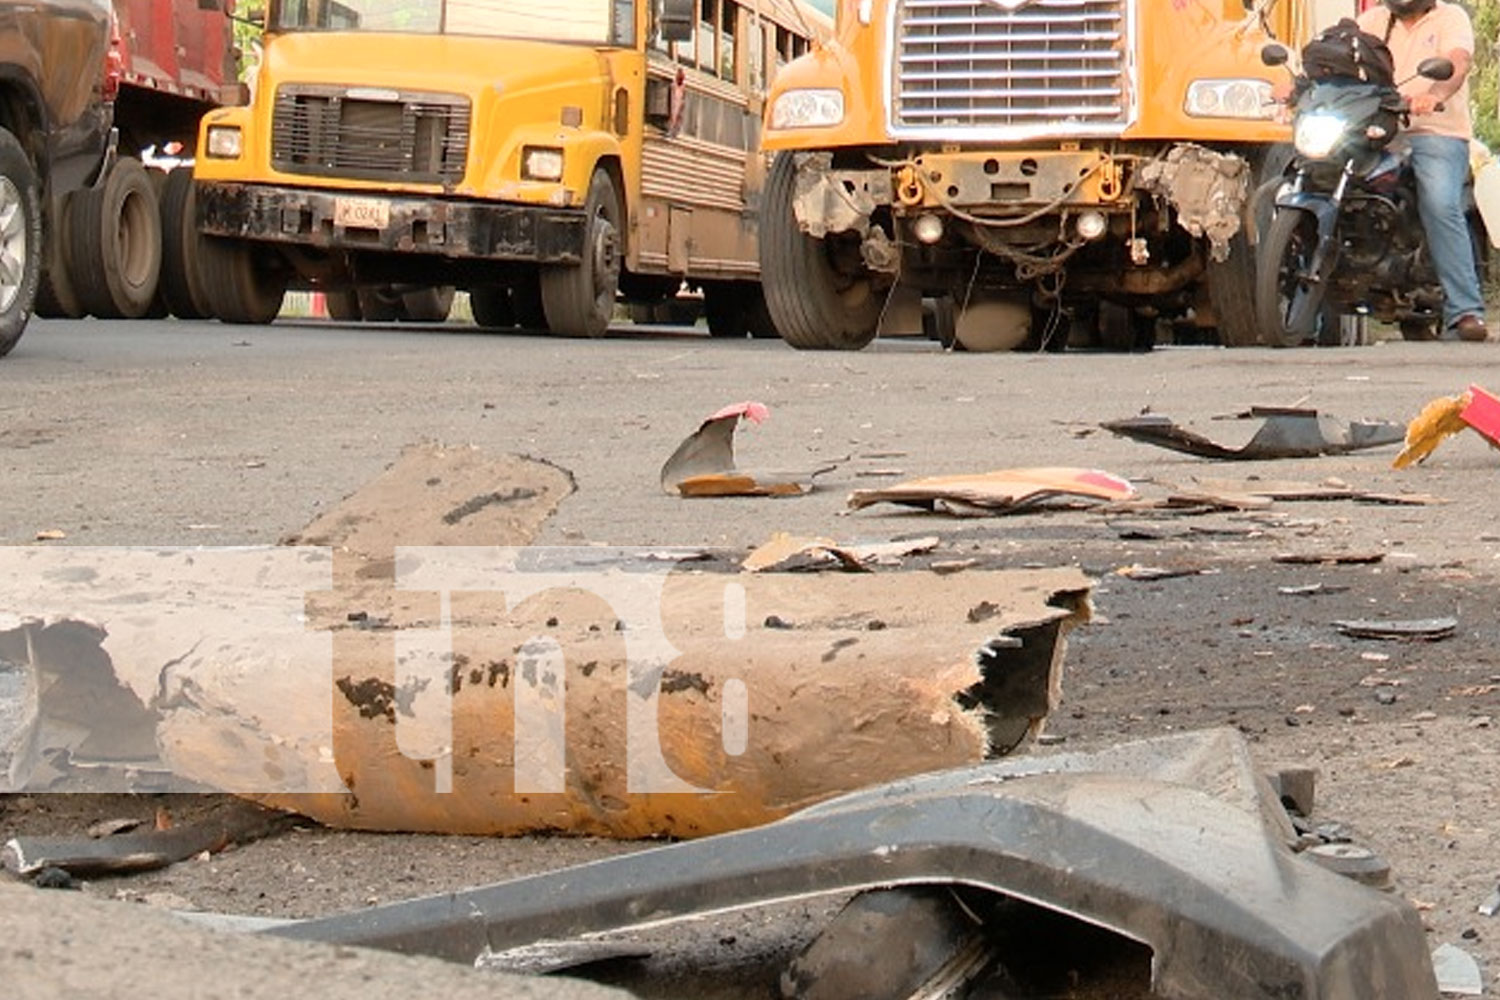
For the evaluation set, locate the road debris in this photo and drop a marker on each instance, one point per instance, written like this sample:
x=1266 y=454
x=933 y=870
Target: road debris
x=789 y=553
x=1308 y=589
x=1456 y=971
x=1491 y=905
x=413 y=673
x=1446 y=416
x=1174 y=842
x=703 y=465
x=1136 y=571
x=1428 y=629
x=1285 y=432
x=1354 y=558
x=88 y=856
x=1006 y=491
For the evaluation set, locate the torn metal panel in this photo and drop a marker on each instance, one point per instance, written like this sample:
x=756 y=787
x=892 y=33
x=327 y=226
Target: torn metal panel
x=826 y=201
x=1003 y=491
x=1285 y=432
x=417 y=675
x=1174 y=842
x=761 y=693
x=1207 y=189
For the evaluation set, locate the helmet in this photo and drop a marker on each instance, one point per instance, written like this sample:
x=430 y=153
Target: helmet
x=1409 y=8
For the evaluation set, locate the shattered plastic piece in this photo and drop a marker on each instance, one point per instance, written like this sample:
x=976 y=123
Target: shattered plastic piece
x=703 y=465
x=1002 y=492
x=1175 y=842
x=1446 y=416
x=1430 y=629
x=1490 y=906
x=1287 y=432
x=1456 y=971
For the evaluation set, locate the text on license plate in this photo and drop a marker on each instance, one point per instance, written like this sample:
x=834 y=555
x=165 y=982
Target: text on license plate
x=362 y=213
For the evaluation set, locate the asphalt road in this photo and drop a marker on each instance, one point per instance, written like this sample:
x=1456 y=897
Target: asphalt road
x=198 y=433
x=169 y=433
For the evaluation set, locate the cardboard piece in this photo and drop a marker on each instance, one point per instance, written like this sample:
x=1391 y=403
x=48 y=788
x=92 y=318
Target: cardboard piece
x=1002 y=492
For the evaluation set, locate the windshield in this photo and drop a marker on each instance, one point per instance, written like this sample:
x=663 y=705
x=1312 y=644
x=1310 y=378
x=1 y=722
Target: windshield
x=600 y=22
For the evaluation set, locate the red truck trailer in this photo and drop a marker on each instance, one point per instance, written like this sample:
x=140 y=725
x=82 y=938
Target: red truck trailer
x=122 y=249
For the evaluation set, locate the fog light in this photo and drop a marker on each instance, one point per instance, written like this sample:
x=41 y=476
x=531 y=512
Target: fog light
x=1091 y=225
x=927 y=228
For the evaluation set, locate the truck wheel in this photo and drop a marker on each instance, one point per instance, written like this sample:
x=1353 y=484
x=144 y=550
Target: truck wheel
x=579 y=300
x=1231 y=292
x=427 y=305
x=55 y=296
x=20 y=240
x=724 y=308
x=342 y=307
x=526 y=303
x=242 y=287
x=758 y=316
x=377 y=304
x=817 y=293
x=491 y=307
x=115 y=240
x=181 y=284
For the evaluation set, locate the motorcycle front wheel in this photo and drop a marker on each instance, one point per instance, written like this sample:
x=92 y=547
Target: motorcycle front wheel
x=1288 y=296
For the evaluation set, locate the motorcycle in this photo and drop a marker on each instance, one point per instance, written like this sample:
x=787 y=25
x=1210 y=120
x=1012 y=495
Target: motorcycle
x=1345 y=236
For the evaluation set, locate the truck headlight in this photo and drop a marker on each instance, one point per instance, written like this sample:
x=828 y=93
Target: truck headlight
x=541 y=163
x=224 y=142
x=1247 y=98
x=808 y=109
x=1317 y=133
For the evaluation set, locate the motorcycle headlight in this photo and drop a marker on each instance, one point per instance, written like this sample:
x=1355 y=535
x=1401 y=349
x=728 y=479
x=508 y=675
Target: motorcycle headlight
x=808 y=108
x=1317 y=133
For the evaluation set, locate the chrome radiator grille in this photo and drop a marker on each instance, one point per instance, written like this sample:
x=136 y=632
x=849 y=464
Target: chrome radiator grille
x=330 y=132
x=1045 y=67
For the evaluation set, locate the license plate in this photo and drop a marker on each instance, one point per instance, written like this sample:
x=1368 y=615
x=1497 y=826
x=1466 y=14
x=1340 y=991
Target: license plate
x=361 y=213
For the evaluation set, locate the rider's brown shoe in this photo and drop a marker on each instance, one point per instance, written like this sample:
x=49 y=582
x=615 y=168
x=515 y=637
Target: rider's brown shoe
x=1471 y=328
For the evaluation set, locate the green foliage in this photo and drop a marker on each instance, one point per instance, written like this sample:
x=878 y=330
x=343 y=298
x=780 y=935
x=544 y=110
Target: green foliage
x=1484 y=79
x=246 y=32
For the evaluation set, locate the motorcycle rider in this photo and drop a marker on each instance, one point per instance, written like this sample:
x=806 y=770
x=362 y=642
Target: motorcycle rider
x=1416 y=30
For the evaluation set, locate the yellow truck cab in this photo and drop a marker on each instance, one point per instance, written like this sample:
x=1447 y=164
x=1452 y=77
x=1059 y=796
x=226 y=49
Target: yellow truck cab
x=1040 y=166
x=545 y=157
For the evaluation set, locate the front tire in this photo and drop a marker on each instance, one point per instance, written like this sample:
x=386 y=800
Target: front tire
x=20 y=240
x=1288 y=300
x=427 y=305
x=579 y=300
x=819 y=297
x=243 y=288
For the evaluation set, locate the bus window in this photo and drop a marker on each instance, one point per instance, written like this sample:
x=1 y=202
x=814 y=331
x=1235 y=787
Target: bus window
x=756 y=53
x=799 y=46
x=729 y=12
x=624 y=33
x=783 y=46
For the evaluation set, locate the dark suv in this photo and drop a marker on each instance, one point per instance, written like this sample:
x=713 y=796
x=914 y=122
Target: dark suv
x=55 y=119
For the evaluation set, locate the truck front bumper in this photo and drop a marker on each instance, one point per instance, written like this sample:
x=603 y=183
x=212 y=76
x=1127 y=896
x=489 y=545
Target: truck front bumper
x=356 y=221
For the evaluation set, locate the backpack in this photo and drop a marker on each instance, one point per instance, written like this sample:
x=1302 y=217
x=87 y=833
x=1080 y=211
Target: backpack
x=1344 y=51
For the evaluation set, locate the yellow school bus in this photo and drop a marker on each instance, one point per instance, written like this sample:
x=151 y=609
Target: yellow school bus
x=1042 y=165
x=548 y=158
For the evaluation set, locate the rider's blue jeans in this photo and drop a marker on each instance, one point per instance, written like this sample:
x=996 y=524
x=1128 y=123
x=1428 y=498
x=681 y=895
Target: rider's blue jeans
x=1441 y=164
